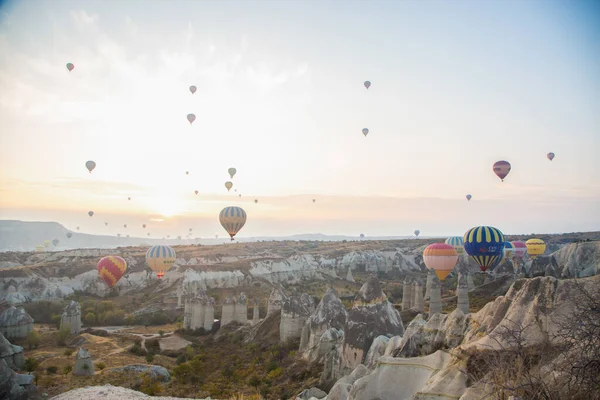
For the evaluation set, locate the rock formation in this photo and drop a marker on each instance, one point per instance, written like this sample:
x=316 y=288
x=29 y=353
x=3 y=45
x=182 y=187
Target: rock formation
x=11 y=383
x=209 y=314
x=349 y=276
x=15 y=322
x=71 y=317
x=241 y=309
x=428 y=284
x=462 y=292
x=372 y=315
x=435 y=296
x=11 y=354
x=276 y=300
x=406 y=295
x=228 y=311
x=83 y=363
x=317 y=339
x=419 y=302
x=294 y=313
x=255 y=313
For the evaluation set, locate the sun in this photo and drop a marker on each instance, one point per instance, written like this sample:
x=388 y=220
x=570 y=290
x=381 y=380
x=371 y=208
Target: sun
x=166 y=206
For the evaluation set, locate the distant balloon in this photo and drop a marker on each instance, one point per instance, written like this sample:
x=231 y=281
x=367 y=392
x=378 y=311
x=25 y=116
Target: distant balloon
x=240 y=195
x=90 y=165
x=228 y=185
x=160 y=259
x=129 y=198
x=111 y=269
x=144 y=226
x=168 y=236
x=520 y=249
x=69 y=234
x=232 y=172
x=190 y=229
x=440 y=257
x=232 y=219
x=195 y=191
x=365 y=131
x=535 y=247
x=47 y=243
x=417 y=232
x=106 y=224
x=55 y=242
x=314 y=200
x=550 y=156
x=148 y=233
x=77 y=228
x=509 y=250
x=469 y=197
x=191 y=118
x=127 y=235
x=367 y=84
x=90 y=213
x=118 y=235
x=255 y=201
x=124 y=225
x=178 y=237
x=70 y=67
x=187 y=172
x=501 y=168
x=362 y=235
x=485 y=245
x=193 y=89
x=457 y=243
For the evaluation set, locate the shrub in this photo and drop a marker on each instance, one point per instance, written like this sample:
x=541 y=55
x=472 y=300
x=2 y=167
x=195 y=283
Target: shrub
x=90 y=319
x=52 y=369
x=31 y=364
x=63 y=334
x=161 y=332
x=137 y=349
x=100 y=366
x=33 y=340
x=67 y=370
x=149 y=357
x=68 y=352
x=275 y=373
x=180 y=359
x=150 y=386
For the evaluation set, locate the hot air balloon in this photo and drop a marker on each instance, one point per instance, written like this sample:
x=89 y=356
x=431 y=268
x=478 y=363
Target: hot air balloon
x=193 y=89
x=362 y=235
x=124 y=225
x=178 y=237
x=160 y=259
x=501 y=168
x=509 y=250
x=187 y=172
x=314 y=200
x=168 y=236
x=232 y=219
x=191 y=118
x=535 y=247
x=111 y=269
x=365 y=131
x=190 y=229
x=77 y=228
x=106 y=224
x=144 y=226
x=367 y=84
x=255 y=201
x=232 y=172
x=55 y=242
x=240 y=195
x=129 y=198
x=417 y=232
x=550 y=156
x=148 y=233
x=228 y=185
x=195 y=191
x=40 y=248
x=485 y=245
x=69 y=234
x=70 y=67
x=469 y=197
x=90 y=165
x=440 y=257
x=90 y=213
x=127 y=235
x=118 y=235
x=47 y=243
x=520 y=250
x=457 y=243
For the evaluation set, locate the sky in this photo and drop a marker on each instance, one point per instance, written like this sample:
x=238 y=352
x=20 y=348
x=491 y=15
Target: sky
x=455 y=87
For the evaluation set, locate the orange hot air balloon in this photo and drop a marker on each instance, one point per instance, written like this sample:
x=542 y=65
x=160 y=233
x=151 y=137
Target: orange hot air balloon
x=440 y=257
x=501 y=168
x=111 y=269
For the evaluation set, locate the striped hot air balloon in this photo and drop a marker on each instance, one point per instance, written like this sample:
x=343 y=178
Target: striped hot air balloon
x=111 y=269
x=457 y=243
x=160 y=259
x=520 y=249
x=440 y=257
x=485 y=245
x=232 y=219
x=535 y=247
x=509 y=250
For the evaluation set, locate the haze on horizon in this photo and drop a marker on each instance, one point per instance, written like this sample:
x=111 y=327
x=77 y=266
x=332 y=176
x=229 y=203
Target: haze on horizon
x=456 y=86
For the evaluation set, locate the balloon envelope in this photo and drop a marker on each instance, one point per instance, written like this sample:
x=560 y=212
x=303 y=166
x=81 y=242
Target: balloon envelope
x=440 y=257
x=111 y=269
x=501 y=168
x=485 y=245
x=550 y=156
x=195 y=191
x=144 y=226
x=469 y=197
x=70 y=67
x=362 y=235
x=535 y=247
x=232 y=172
x=255 y=201
x=193 y=89
x=160 y=259
x=509 y=250
x=232 y=219
x=367 y=84
x=417 y=232
x=365 y=131
x=457 y=243
x=520 y=249
x=228 y=185
x=55 y=242
x=90 y=213
x=69 y=234
x=90 y=165
x=191 y=118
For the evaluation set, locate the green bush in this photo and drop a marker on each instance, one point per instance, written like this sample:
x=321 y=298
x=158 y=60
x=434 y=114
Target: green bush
x=100 y=366
x=52 y=369
x=150 y=386
x=149 y=357
x=137 y=349
x=68 y=352
x=67 y=370
x=33 y=340
x=31 y=364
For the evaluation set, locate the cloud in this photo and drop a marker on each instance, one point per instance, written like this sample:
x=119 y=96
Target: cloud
x=82 y=18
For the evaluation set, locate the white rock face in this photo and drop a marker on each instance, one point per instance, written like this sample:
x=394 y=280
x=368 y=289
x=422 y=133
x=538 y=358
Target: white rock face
x=83 y=363
x=578 y=260
x=109 y=392
x=71 y=317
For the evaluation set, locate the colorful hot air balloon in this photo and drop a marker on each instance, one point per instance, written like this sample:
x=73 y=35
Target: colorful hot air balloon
x=55 y=242
x=417 y=232
x=90 y=165
x=193 y=89
x=255 y=201
x=535 y=247
x=485 y=245
x=40 y=248
x=469 y=197
x=365 y=131
x=191 y=118
x=367 y=84
x=362 y=235
x=90 y=213
x=509 y=250
x=457 y=243
x=160 y=259
x=501 y=168
x=550 y=156
x=232 y=219
x=228 y=185
x=111 y=269
x=47 y=243
x=440 y=257
x=70 y=67
x=232 y=172
x=195 y=191
x=69 y=234
x=520 y=250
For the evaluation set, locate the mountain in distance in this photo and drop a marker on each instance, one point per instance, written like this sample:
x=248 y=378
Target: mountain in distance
x=26 y=235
